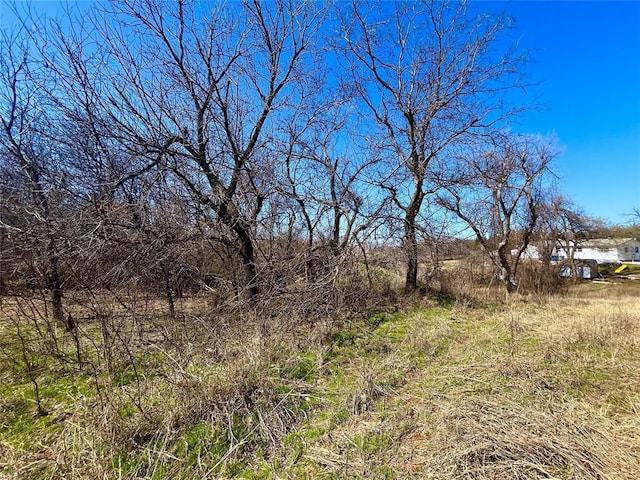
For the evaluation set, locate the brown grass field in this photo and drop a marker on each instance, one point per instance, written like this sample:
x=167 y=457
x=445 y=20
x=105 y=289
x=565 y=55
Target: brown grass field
x=528 y=388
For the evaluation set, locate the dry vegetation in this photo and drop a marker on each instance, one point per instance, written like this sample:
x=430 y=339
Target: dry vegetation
x=206 y=226
x=538 y=387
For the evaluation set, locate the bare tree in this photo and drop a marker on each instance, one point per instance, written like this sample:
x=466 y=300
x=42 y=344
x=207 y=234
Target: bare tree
x=328 y=179
x=568 y=226
x=194 y=90
x=29 y=161
x=430 y=74
x=500 y=195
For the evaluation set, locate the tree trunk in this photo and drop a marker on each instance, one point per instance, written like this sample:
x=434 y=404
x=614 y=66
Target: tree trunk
x=54 y=284
x=167 y=290
x=247 y=255
x=410 y=238
x=508 y=281
x=506 y=274
x=310 y=266
x=3 y=290
x=233 y=220
x=53 y=280
x=335 y=240
x=310 y=269
x=411 y=250
x=573 y=265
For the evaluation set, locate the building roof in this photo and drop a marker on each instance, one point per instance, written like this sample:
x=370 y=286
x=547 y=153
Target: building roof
x=605 y=242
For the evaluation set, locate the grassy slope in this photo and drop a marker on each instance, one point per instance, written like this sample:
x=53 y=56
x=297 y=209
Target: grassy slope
x=533 y=389
x=528 y=390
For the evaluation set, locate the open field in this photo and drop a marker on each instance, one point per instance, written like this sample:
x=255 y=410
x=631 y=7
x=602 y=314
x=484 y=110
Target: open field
x=537 y=387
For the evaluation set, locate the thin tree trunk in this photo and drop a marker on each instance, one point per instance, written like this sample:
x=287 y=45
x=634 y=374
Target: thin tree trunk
x=309 y=263
x=506 y=274
x=53 y=280
x=3 y=291
x=411 y=250
x=247 y=255
x=573 y=265
x=366 y=263
x=54 y=283
x=167 y=290
x=335 y=241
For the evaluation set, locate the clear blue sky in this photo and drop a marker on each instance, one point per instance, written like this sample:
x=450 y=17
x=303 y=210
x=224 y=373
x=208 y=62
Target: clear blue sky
x=587 y=57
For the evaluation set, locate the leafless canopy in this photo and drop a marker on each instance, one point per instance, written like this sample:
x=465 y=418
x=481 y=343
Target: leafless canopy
x=254 y=146
x=430 y=75
x=500 y=195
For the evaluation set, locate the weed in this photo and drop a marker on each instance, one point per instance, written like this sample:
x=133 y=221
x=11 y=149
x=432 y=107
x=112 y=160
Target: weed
x=535 y=388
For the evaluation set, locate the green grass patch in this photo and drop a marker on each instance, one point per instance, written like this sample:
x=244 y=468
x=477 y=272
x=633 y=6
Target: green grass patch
x=430 y=392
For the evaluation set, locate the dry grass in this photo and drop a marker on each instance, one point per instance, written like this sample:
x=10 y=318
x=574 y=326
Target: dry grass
x=503 y=440
x=147 y=386
x=539 y=387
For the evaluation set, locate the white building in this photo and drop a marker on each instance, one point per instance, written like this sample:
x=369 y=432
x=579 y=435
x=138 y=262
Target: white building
x=584 y=269
x=602 y=250
x=529 y=253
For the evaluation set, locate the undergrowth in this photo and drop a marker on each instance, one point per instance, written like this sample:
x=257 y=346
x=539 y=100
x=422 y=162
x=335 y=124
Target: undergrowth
x=533 y=388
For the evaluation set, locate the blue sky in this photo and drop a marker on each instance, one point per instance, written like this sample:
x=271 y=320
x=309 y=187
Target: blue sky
x=587 y=57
